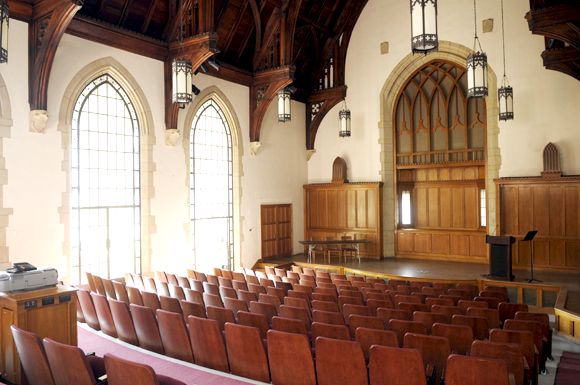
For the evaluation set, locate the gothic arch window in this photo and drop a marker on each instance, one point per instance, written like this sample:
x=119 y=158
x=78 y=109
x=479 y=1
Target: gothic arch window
x=211 y=188
x=105 y=182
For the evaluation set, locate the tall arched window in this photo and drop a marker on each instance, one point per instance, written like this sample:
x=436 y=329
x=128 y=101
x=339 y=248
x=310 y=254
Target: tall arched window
x=105 y=180
x=211 y=189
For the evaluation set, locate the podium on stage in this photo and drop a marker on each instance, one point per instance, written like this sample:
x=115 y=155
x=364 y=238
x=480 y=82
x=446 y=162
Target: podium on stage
x=500 y=257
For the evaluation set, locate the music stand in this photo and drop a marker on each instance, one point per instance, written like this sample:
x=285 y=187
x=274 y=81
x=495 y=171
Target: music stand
x=529 y=237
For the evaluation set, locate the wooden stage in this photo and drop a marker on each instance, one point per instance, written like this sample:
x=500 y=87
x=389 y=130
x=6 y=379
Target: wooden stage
x=558 y=294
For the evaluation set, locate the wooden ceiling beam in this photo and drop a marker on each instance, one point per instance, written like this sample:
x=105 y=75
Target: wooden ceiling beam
x=305 y=19
x=556 y=22
x=21 y=10
x=235 y=26
x=222 y=12
x=125 y=13
x=287 y=31
x=49 y=21
x=565 y=60
x=149 y=16
x=272 y=27
x=100 y=7
x=319 y=104
x=258 y=26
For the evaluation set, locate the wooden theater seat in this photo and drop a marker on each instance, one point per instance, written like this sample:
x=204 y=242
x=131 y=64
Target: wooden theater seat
x=338 y=360
x=296 y=368
x=246 y=352
x=146 y=328
x=207 y=343
x=174 y=336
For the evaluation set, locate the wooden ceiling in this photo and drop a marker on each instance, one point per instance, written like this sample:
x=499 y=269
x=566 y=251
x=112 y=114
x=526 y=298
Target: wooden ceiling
x=559 y=22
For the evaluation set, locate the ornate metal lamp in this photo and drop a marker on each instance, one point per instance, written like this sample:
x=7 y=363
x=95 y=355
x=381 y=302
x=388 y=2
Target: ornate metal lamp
x=424 y=26
x=476 y=67
x=284 y=105
x=182 y=76
x=344 y=121
x=4 y=18
x=505 y=94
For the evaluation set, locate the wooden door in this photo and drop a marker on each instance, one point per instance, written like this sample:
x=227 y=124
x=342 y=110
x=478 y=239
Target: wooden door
x=276 y=231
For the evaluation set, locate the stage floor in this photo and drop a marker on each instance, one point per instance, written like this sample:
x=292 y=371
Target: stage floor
x=432 y=269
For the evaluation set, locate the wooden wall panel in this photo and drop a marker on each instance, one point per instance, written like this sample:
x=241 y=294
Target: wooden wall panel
x=423 y=243
x=421 y=209
x=440 y=244
x=445 y=215
x=443 y=245
x=460 y=244
x=471 y=207
x=350 y=209
x=458 y=215
x=433 y=206
x=406 y=242
x=549 y=205
x=477 y=246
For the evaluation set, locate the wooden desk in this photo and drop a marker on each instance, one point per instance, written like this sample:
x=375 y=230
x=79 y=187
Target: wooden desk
x=354 y=242
x=57 y=321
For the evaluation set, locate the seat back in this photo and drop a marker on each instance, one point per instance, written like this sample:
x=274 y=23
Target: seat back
x=183 y=282
x=438 y=301
x=256 y=289
x=522 y=338
x=478 y=325
x=410 y=308
x=246 y=352
x=108 y=286
x=211 y=288
x=227 y=292
x=428 y=319
x=448 y=311
x=296 y=302
x=359 y=321
x=401 y=327
x=375 y=304
x=88 y=309
x=137 y=282
x=508 y=310
x=288 y=325
x=134 y=295
x=149 y=284
x=472 y=289
x=495 y=294
x=174 y=336
x=445 y=286
x=91 y=282
x=192 y=308
x=99 y=285
x=195 y=284
x=247 y=296
x=283 y=365
x=208 y=344
x=491 y=315
x=405 y=366
x=325 y=305
x=151 y=300
x=464 y=305
x=266 y=309
x=464 y=294
x=170 y=304
x=235 y=305
x=533 y=327
x=163 y=289
x=192 y=295
x=339 y=332
x=146 y=328
x=258 y=321
x=68 y=364
x=492 y=302
x=176 y=292
x=369 y=337
x=301 y=294
x=212 y=300
x=239 y=285
x=434 y=291
x=460 y=337
x=225 y=282
x=221 y=315
x=352 y=293
x=389 y=314
x=286 y=286
x=271 y=299
x=475 y=371
x=327 y=317
x=337 y=360
x=280 y=293
x=397 y=282
x=121 y=292
x=123 y=322
x=342 y=300
x=512 y=354
x=122 y=372
x=32 y=357
x=171 y=279
x=298 y=313
x=435 y=350
x=543 y=318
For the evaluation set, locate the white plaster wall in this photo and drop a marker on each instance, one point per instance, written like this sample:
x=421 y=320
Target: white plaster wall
x=36 y=180
x=546 y=102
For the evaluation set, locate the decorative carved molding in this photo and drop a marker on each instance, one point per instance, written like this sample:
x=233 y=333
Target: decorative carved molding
x=309 y=154
x=552 y=167
x=266 y=85
x=319 y=103
x=339 y=171
x=37 y=120
x=171 y=136
x=254 y=146
x=50 y=19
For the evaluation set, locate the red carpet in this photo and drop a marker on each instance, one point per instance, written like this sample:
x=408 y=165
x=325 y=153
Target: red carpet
x=93 y=341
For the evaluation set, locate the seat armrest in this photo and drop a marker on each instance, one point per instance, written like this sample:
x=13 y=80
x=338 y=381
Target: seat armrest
x=536 y=350
x=102 y=380
x=526 y=365
x=430 y=374
x=442 y=382
x=512 y=379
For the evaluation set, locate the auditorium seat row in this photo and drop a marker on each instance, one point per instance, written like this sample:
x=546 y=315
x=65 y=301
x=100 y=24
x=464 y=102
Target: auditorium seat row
x=568 y=372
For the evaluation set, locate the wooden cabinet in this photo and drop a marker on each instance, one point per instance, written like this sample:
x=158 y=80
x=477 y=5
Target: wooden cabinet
x=50 y=312
x=349 y=209
x=276 y=223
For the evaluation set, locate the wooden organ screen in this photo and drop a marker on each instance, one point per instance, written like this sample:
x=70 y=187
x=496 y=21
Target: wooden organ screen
x=549 y=205
x=351 y=209
x=440 y=144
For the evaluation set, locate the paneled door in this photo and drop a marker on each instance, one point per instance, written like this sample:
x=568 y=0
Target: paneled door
x=276 y=231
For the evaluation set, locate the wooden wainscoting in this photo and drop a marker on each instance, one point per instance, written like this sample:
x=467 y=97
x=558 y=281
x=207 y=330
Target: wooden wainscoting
x=351 y=209
x=549 y=205
x=448 y=245
x=276 y=223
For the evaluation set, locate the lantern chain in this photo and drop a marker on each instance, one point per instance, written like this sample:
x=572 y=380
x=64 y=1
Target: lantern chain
x=475 y=23
x=504 y=80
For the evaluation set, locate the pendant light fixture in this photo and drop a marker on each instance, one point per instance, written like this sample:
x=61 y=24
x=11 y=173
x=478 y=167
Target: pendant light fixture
x=344 y=121
x=505 y=94
x=182 y=74
x=284 y=105
x=476 y=67
x=4 y=18
x=424 y=26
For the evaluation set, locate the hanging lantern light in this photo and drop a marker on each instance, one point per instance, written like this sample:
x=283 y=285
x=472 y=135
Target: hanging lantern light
x=4 y=18
x=344 y=121
x=505 y=94
x=182 y=74
x=284 y=105
x=476 y=67
x=424 y=26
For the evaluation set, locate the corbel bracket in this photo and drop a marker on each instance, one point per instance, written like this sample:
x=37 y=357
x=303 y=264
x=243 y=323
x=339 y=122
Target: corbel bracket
x=318 y=105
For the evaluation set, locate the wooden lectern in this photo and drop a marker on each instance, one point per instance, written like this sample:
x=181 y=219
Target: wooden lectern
x=50 y=312
x=500 y=257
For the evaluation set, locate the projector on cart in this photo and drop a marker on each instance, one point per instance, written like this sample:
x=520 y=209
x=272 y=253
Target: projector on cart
x=23 y=277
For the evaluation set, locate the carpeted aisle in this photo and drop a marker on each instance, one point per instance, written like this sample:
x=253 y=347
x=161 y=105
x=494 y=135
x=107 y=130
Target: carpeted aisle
x=94 y=341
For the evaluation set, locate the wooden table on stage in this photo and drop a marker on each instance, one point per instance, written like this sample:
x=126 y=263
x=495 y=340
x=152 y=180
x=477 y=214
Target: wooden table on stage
x=353 y=242
x=50 y=312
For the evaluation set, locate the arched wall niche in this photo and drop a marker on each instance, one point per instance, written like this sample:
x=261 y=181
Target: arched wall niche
x=5 y=127
x=454 y=53
x=213 y=92
x=109 y=65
